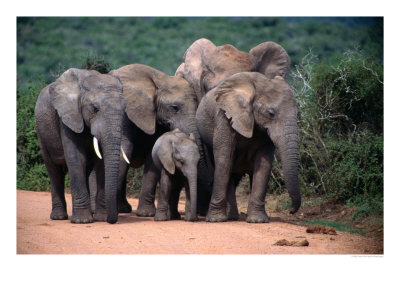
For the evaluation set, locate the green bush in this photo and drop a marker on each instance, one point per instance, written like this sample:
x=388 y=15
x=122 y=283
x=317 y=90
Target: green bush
x=31 y=172
x=134 y=181
x=341 y=130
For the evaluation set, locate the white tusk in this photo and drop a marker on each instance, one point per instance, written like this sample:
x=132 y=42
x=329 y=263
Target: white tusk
x=124 y=156
x=96 y=147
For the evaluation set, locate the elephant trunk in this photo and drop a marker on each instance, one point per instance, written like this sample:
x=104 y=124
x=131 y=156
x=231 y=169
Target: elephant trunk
x=112 y=157
x=288 y=147
x=192 y=182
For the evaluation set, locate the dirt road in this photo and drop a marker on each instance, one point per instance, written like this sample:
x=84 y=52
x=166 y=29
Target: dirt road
x=37 y=234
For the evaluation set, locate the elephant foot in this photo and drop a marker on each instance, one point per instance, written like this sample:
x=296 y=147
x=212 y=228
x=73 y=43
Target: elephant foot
x=161 y=216
x=124 y=207
x=146 y=210
x=189 y=217
x=257 y=217
x=100 y=215
x=82 y=216
x=59 y=213
x=216 y=216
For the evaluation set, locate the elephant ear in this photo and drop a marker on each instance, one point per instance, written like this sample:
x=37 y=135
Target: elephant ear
x=193 y=69
x=65 y=93
x=235 y=96
x=270 y=59
x=139 y=93
x=164 y=153
x=180 y=72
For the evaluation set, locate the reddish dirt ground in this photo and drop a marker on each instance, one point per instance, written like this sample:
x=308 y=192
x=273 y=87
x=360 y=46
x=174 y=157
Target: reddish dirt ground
x=37 y=234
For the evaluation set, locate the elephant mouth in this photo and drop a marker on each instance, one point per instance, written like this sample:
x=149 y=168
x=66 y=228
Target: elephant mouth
x=98 y=153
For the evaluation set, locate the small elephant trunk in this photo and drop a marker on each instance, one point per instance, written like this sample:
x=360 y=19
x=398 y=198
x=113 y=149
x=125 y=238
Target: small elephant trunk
x=192 y=181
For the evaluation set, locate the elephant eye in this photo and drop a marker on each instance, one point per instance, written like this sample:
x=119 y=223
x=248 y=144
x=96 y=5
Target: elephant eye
x=271 y=113
x=95 y=108
x=174 y=108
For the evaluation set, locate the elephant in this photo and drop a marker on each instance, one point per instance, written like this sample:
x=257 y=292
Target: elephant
x=156 y=103
x=205 y=65
x=241 y=121
x=176 y=156
x=81 y=106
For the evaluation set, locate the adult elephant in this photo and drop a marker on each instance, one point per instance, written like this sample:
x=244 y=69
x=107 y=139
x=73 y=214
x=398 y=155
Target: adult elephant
x=156 y=103
x=82 y=106
x=205 y=65
x=241 y=121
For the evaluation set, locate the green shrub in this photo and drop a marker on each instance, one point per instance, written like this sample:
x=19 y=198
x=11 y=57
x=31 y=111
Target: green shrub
x=31 y=172
x=97 y=64
x=134 y=181
x=341 y=130
x=356 y=167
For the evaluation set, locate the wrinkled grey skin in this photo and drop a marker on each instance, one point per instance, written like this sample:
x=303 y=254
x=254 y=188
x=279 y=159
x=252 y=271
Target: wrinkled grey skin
x=155 y=103
x=78 y=106
x=241 y=121
x=176 y=156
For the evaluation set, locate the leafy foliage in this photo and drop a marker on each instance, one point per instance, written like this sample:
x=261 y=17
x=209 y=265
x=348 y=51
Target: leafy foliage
x=31 y=172
x=48 y=44
x=341 y=130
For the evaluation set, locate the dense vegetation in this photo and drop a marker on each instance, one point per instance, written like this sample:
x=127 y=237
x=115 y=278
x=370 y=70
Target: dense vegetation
x=337 y=74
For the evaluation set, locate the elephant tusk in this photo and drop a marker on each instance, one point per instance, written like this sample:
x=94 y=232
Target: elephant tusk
x=96 y=147
x=124 y=156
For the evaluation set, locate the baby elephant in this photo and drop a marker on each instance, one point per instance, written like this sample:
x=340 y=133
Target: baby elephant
x=175 y=156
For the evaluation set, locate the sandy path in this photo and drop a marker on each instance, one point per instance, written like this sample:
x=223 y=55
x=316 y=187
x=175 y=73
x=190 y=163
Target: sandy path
x=37 y=234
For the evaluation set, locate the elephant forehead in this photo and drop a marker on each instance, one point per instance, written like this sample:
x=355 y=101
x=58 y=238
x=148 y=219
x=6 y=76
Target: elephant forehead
x=187 y=148
x=176 y=90
x=100 y=82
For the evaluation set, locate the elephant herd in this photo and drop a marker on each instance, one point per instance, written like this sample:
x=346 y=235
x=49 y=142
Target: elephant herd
x=219 y=117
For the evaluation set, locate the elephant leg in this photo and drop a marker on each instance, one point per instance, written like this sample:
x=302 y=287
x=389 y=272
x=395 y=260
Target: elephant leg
x=262 y=166
x=223 y=149
x=163 y=197
x=204 y=195
x=92 y=189
x=231 y=205
x=75 y=157
x=146 y=207
x=58 y=204
x=177 y=186
x=57 y=175
x=123 y=204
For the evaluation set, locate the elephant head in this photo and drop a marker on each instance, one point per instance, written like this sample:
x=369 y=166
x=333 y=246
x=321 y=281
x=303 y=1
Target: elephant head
x=205 y=65
x=176 y=150
x=253 y=103
x=154 y=98
x=89 y=99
